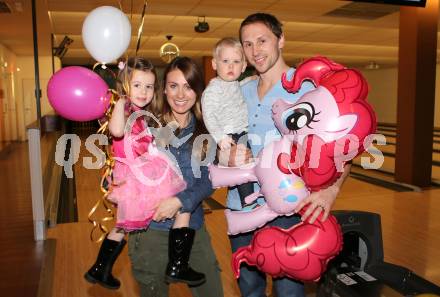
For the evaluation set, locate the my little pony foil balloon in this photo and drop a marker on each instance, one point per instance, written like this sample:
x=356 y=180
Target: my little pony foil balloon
x=300 y=252
x=324 y=129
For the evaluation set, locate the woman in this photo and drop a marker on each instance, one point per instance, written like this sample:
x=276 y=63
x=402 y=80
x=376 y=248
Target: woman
x=148 y=250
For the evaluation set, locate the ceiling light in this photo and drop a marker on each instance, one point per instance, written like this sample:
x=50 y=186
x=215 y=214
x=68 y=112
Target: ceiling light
x=169 y=51
x=201 y=26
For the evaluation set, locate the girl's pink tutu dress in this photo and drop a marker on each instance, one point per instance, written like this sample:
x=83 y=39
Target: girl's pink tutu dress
x=142 y=176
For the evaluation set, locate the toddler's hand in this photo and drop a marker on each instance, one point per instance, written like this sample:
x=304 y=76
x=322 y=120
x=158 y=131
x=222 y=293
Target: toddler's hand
x=226 y=143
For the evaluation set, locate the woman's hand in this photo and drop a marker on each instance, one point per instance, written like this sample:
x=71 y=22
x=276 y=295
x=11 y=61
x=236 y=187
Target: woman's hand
x=167 y=209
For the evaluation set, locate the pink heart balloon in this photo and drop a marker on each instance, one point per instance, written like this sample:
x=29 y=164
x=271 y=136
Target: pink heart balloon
x=78 y=94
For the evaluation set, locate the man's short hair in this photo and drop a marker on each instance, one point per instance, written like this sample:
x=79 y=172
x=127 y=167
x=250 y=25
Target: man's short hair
x=267 y=19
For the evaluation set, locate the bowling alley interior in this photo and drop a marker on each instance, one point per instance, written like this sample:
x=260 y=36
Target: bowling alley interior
x=53 y=187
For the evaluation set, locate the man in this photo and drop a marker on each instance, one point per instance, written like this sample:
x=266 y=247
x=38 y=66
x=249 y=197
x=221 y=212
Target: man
x=262 y=39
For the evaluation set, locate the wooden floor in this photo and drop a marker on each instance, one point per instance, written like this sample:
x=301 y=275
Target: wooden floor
x=20 y=256
x=410 y=223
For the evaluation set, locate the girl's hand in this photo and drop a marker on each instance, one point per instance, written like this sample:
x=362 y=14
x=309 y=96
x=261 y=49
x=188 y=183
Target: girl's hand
x=167 y=209
x=116 y=123
x=122 y=100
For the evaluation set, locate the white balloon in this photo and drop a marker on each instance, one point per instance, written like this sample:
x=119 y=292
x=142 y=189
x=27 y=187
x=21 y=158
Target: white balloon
x=106 y=33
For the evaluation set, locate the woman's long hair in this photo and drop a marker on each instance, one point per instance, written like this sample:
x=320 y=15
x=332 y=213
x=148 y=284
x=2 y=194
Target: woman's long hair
x=194 y=77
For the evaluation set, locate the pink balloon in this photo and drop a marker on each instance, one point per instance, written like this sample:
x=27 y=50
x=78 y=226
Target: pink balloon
x=78 y=94
x=300 y=252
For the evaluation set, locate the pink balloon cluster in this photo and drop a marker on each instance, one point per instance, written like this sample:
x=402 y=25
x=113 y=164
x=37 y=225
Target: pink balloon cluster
x=78 y=94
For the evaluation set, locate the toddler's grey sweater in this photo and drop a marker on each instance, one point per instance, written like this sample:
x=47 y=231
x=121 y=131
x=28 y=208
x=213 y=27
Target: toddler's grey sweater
x=224 y=109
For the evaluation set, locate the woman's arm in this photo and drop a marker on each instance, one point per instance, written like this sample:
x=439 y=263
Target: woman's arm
x=187 y=200
x=117 y=121
x=192 y=196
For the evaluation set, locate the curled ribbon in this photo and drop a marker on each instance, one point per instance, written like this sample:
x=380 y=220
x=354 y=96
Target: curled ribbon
x=141 y=27
x=106 y=181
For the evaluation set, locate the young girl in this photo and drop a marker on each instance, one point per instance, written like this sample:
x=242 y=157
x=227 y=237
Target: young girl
x=142 y=176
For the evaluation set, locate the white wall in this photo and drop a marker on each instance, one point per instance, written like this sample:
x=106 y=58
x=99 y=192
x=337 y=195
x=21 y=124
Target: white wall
x=17 y=83
x=8 y=118
x=383 y=94
x=26 y=89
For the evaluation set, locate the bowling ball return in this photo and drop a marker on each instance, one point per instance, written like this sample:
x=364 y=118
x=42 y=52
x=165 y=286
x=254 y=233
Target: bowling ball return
x=360 y=270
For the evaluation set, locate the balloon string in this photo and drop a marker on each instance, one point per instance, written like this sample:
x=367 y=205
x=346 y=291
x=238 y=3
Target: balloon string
x=131 y=21
x=141 y=27
x=103 y=66
x=106 y=184
x=120 y=5
x=131 y=14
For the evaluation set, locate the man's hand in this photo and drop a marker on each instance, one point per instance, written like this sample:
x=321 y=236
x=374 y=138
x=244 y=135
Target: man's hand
x=167 y=209
x=321 y=201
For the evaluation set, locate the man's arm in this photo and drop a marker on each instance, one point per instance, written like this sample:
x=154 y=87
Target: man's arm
x=322 y=200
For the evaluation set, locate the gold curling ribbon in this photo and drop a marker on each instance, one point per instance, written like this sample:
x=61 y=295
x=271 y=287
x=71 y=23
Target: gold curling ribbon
x=120 y=6
x=106 y=178
x=96 y=65
x=141 y=27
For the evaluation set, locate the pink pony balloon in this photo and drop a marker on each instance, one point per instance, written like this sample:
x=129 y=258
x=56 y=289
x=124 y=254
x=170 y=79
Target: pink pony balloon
x=323 y=130
x=78 y=94
x=301 y=252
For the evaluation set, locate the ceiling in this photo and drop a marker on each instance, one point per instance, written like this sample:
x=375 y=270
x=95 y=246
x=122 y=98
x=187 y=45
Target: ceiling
x=357 y=35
